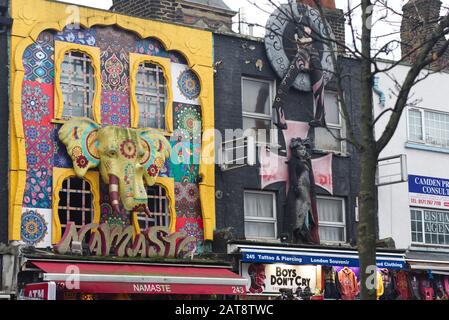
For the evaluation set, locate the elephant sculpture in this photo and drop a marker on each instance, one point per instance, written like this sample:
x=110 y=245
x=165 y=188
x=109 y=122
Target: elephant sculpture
x=126 y=158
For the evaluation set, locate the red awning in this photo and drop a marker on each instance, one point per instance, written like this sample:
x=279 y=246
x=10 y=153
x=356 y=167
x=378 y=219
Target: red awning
x=142 y=279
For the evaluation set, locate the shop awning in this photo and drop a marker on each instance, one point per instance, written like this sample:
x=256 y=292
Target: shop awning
x=142 y=279
x=436 y=261
x=313 y=256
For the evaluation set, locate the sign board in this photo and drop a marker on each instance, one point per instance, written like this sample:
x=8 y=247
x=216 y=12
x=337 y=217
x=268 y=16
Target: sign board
x=324 y=260
x=40 y=291
x=108 y=240
x=428 y=192
x=269 y=278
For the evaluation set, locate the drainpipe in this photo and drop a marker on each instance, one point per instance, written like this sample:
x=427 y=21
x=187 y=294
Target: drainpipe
x=379 y=92
x=5 y=26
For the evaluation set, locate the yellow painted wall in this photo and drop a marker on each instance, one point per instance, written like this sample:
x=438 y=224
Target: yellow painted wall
x=33 y=17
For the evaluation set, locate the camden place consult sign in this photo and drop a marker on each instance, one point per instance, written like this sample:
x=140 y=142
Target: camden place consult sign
x=428 y=192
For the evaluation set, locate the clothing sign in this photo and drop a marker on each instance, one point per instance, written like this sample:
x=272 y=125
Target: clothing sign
x=270 y=278
x=428 y=192
x=40 y=291
x=350 y=261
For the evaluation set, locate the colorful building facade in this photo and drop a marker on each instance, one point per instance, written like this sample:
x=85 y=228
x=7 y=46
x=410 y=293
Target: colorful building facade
x=95 y=69
x=111 y=150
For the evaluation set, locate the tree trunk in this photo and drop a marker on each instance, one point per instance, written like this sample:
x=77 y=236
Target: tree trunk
x=366 y=240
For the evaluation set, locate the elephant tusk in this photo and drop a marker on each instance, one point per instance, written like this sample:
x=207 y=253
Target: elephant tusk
x=114 y=193
x=148 y=212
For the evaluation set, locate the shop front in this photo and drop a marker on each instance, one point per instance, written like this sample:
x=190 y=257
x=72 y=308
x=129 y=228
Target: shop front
x=279 y=271
x=56 y=279
x=429 y=274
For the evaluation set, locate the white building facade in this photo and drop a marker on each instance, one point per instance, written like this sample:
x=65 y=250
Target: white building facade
x=415 y=213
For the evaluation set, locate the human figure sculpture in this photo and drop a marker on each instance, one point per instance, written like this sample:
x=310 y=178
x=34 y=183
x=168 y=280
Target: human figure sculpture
x=306 y=50
x=301 y=210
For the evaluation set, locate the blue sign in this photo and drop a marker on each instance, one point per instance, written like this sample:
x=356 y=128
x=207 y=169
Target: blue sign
x=428 y=185
x=316 y=260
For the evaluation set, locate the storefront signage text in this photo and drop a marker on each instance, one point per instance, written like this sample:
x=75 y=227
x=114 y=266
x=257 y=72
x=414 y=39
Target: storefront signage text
x=106 y=240
x=316 y=260
x=428 y=192
x=270 y=278
x=288 y=277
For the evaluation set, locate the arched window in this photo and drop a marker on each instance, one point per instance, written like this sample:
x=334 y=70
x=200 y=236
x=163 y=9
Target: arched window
x=151 y=96
x=158 y=204
x=75 y=203
x=77 y=81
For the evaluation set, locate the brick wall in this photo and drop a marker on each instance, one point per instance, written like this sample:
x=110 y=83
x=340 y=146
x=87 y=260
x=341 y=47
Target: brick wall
x=420 y=18
x=165 y=10
x=177 y=11
x=334 y=16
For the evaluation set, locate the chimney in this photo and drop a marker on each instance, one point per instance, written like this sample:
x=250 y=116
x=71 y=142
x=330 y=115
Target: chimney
x=420 y=18
x=334 y=16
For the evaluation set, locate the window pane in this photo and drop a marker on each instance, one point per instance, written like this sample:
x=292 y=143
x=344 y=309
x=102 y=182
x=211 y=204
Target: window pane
x=330 y=210
x=332 y=234
x=325 y=141
x=77 y=85
x=256 y=96
x=436 y=226
x=75 y=203
x=260 y=230
x=415 y=130
x=259 y=205
x=437 y=128
x=416 y=225
x=332 y=108
x=159 y=207
x=260 y=128
x=151 y=96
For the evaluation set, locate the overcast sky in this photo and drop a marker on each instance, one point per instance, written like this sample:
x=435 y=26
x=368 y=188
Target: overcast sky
x=259 y=14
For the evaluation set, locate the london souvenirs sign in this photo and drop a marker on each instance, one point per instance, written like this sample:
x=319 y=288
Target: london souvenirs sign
x=107 y=240
x=428 y=192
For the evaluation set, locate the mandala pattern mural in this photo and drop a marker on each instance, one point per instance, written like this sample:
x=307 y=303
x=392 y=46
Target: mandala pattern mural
x=61 y=158
x=186 y=86
x=165 y=171
x=115 y=70
x=38 y=188
x=113 y=37
x=35 y=227
x=38 y=59
x=185 y=153
x=115 y=46
x=115 y=109
x=188 y=121
x=40 y=146
x=153 y=47
x=37 y=103
x=85 y=37
x=187 y=200
x=189 y=85
x=185 y=172
x=193 y=228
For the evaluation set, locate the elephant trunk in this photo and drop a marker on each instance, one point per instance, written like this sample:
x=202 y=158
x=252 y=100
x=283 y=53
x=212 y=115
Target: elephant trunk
x=114 y=193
